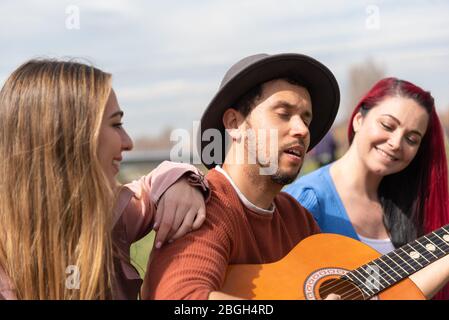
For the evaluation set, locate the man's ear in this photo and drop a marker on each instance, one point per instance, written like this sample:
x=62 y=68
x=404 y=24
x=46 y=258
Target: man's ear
x=357 y=122
x=232 y=120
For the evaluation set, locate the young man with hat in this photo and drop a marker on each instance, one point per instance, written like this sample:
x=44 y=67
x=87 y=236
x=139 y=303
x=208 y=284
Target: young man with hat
x=249 y=219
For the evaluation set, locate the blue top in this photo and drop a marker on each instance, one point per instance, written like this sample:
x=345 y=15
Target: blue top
x=317 y=193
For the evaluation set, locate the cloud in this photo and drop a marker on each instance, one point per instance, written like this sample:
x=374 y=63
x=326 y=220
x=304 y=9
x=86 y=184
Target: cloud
x=171 y=55
x=163 y=90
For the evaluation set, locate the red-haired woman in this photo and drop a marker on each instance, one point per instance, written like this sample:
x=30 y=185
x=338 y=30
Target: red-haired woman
x=391 y=186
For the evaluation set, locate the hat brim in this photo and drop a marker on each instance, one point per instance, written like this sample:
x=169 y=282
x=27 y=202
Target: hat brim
x=320 y=82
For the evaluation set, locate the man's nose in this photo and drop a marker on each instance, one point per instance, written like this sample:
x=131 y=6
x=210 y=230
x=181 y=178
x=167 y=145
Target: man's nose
x=298 y=128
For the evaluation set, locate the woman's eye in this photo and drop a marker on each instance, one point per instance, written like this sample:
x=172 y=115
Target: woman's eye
x=412 y=141
x=284 y=115
x=118 y=125
x=386 y=126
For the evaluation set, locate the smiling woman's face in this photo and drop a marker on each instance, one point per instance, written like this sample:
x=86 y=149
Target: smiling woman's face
x=113 y=139
x=389 y=135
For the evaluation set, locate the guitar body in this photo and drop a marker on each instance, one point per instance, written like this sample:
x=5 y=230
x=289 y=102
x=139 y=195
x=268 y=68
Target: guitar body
x=307 y=270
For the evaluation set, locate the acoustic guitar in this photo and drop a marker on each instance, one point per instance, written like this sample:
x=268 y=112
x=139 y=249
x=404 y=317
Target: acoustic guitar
x=331 y=263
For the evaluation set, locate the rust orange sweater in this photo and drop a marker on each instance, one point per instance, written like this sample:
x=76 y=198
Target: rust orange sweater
x=232 y=234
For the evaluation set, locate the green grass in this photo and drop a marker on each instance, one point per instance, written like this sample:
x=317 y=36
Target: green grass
x=140 y=252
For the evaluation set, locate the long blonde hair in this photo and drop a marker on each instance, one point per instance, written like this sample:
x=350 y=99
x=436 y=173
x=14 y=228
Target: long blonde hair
x=55 y=201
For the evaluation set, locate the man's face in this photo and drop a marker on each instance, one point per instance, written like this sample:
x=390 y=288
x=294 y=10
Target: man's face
x=287 y=109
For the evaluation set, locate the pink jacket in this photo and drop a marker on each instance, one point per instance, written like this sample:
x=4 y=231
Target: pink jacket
x=134 y=213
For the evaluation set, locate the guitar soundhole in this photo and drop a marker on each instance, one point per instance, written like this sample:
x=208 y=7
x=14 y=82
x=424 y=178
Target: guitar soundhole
x=345 y=289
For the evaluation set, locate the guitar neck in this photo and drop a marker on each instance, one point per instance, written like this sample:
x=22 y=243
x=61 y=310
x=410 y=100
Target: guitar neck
x=393 y=267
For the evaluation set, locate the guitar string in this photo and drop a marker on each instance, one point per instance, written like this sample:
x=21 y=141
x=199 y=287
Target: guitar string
x=347 y=284
x=359 y=289
x=355 y=289
x=328 y=287
x=400 y=264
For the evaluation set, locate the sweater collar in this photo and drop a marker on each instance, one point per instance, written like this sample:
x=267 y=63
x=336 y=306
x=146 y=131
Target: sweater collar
x=242 y=197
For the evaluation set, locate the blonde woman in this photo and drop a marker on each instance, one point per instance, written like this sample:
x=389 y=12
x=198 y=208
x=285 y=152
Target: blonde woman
x=61 y=210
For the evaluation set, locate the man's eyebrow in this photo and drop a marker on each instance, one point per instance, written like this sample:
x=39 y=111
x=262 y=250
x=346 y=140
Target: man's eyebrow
x=288 y=105
x=117 y=113
x=399 y=122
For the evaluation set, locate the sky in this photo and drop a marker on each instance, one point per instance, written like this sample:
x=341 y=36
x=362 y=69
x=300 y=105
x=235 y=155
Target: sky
x=168 y=57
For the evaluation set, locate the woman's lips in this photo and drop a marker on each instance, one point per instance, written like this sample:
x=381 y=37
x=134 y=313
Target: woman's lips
x=116 y=165
x=385 y=155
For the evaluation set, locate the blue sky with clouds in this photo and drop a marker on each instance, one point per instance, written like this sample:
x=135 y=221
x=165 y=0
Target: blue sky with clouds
x=168 y=57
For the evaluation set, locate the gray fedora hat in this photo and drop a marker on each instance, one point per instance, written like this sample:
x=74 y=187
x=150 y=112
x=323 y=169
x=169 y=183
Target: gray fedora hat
x=256 y=69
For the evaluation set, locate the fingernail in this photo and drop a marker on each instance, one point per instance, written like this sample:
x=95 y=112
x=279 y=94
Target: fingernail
x=158 y=245
x=155 y=225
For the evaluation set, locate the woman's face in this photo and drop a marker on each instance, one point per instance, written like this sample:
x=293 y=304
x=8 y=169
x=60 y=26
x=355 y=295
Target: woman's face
x=388 y=137
x=113 y=139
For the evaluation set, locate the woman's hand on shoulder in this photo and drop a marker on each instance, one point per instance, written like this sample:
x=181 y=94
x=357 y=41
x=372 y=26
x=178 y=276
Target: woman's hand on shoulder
x=180 y=209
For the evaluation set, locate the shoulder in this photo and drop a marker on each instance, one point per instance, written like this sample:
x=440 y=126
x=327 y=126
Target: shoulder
x=313 y=179
x=221 y=189
x=312 y=190
x=217 y=181
x=285 y=200
x=288 y=206
x=308 y=188
x=223 y=207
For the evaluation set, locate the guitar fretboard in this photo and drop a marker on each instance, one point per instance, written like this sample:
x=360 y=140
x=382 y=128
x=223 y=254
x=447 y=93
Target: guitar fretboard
x=393 y=267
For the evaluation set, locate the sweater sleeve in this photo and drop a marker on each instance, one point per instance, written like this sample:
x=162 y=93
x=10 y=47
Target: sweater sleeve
x=192 y=267
x=138 y=200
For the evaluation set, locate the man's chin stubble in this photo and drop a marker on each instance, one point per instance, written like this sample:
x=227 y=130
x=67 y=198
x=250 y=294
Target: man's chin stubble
x=284 y=178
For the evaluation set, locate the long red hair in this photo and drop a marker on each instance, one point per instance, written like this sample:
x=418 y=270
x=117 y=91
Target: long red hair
x=429 y=167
